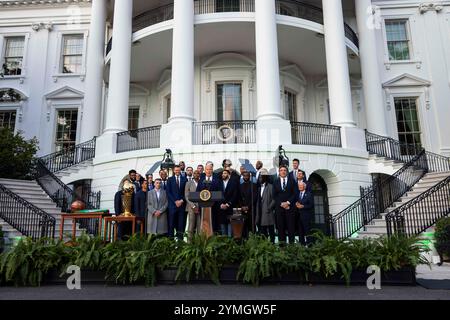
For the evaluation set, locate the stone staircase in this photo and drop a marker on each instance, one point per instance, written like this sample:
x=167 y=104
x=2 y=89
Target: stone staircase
x=81 y=171
x=33 y=193
x=9 y=233
x=378 y=227
x=379 y=164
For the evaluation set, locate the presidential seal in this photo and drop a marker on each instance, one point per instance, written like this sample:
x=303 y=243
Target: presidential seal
x=205 y=195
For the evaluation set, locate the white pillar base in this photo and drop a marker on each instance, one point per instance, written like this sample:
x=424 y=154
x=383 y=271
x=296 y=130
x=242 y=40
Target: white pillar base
x=176 y=134
x=273 y=132
x=353 y=138
x=106 y=145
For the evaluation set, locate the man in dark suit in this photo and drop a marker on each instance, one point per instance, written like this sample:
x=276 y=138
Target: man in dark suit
x=285 y=194
x=163 y=176
x=230 y=189
x=296 y=169
x=247 y=198
x=211 y=183
x=177 y=203
x=305 y=207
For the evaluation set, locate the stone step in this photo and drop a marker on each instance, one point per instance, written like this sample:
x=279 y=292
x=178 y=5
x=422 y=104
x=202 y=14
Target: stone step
x=19 y=183
x=438 y=175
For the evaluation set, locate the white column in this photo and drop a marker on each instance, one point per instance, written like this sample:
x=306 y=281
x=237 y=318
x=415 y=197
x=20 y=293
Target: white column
x=272 y=129
x=119 y=75
x=339 y=89
x=116 y=111
x=182 y=95
x=373 y=95
x=337 y=65
x=178 y=132
x=91 y=123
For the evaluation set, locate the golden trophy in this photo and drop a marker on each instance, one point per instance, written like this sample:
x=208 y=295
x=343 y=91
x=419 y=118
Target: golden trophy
x=127 y=198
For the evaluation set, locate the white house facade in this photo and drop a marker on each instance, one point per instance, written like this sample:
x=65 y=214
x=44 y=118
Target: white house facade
x=227 y=79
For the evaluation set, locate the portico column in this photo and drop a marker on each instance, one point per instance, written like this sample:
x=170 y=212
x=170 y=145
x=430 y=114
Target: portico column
x=178 y=132
x=94 y=72
x=119 y=75
x=271 y=127
x=339 y=90
x=119 y=79
x=373 y=94
x=337 y=65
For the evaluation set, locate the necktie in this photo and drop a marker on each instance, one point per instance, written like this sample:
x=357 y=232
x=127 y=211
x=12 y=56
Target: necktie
x=178 y=182
x=284 y=184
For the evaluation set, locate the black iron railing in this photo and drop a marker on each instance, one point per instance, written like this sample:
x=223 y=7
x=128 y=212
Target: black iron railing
x=69 y=157
x=417 y=215
x=395 y=150
x=316 y=134
x=290 y=8
x=140 y=139
x=63 y=196
x=224 y=132
x=25 y=217
x=153 y=16
x=379 y=197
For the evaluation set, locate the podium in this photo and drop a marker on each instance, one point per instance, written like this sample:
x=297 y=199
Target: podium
x=206 y=200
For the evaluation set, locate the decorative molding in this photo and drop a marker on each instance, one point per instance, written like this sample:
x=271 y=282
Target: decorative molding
x=406 y=80
x=427 y=98
x=8 y=95
x=42 y=26
x=22 y=3
x=387 y=92
x=425 y=7
x=65 y=92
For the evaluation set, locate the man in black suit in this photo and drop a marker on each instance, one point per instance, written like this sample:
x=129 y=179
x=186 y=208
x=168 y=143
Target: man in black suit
x=230 y=189
x=248 y=197
x=296 y=169
x=163 y=176
x=285 y=194
x=305 y=207
x=177 y=203
x=211 y=183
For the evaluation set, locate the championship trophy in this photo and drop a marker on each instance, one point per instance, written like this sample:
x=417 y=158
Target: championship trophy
x=127 y=199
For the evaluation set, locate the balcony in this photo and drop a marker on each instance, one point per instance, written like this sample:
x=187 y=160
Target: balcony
x=230 y=132
x=291 y=8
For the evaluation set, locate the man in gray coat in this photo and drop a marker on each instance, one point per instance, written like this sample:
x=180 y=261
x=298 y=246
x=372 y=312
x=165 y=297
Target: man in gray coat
x=157 y=210
x=194 y=214
x=265 y=206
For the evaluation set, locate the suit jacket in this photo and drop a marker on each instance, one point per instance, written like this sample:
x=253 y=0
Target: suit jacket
x=190 y=187
x=164 y=186
x=140 y=204
x=157 y=225
x=265 y=206
x=175 y=193
x=289 y=194
x=293 y=176
x=307 y=201
x=213 y=186
x=230 y=197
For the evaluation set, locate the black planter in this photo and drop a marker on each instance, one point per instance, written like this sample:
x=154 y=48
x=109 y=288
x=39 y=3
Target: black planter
x=87 y=277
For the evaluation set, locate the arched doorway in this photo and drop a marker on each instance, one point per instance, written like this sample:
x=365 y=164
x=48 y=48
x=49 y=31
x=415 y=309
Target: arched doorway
x=321 y=207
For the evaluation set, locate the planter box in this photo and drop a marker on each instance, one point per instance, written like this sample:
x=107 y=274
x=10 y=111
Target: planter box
x=405 y=277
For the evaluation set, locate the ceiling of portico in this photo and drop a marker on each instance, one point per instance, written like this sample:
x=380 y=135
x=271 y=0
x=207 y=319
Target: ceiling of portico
x=304 y=48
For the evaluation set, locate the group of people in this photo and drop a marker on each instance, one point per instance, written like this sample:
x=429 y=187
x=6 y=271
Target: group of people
x=282 y=203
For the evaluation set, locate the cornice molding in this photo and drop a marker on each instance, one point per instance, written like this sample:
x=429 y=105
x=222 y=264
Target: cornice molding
x=23 y=3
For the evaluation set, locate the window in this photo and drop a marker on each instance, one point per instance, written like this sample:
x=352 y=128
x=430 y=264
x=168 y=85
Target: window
x=133 y=118
x=72 y=55
x=408 y=123
x=290 y=104
x=168 y=108
x=229 y=101
x=397 y=40
x=14 y=50
x=8 y=119
x=66 y=129
x=228 y=6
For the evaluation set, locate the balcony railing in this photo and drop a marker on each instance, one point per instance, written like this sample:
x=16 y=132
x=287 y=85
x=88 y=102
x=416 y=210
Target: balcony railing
x=290 y=8
x=224 y=132
x=140 y=139
x=316 y=134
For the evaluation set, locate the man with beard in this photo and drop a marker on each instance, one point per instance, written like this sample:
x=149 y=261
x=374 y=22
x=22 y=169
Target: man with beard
x=248 y=197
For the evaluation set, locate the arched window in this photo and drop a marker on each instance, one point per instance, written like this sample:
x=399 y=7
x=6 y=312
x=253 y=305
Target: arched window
x=321 y=207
